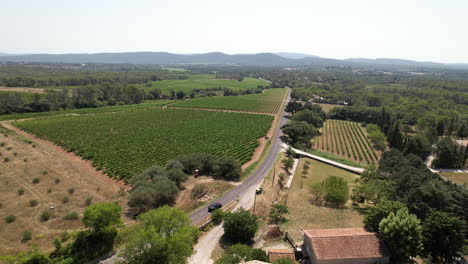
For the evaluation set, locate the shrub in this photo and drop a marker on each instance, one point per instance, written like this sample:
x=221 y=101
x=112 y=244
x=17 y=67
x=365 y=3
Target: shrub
x=10 y=219
x=6 y=159
x=217 y=216
x=65 y=199
x=36 y=180
x=2 y=144
x=277 y=213
x=64 y=236
x=45 y=173
x=33 y=203
x=49 y=190
x=20 y=191
x=88 y=201
x=71 y=190
x=57 y=180
x=336 y=191
x=240 y=227
x=71 y=216
x=45 y=216
x=27 y=235
x=199 y=191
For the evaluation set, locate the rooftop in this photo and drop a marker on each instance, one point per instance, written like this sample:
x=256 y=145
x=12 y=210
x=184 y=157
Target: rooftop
x=274 y=254
x=346 y=243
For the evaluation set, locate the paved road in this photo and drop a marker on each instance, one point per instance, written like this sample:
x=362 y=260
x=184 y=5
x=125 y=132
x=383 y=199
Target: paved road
x=255 y=178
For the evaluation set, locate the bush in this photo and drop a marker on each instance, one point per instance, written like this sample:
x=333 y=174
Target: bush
x=45 y=173
x=88 y=201
x=240 y=227
x=10 y=219
x=57 y=180
x=336 y=191
x=277 y=212
x=33 y=203
x=36 y=180
x=20 y=191
x=71 y=216
x=65 y=199
x=64 y=236
x=71 y=190
x=199 y=191
x=27 y=235
x=45 y=216
x=217 y=216
x=6 y=159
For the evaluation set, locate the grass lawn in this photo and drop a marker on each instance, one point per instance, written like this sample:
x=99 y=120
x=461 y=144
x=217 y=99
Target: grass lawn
x=304 y=214
x=460 y=178
x=328 y=107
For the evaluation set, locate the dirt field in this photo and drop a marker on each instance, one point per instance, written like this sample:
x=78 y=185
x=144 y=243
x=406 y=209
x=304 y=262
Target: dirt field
x=47 y=176
x=304 y=214
x=22 y=89
x=460 y=178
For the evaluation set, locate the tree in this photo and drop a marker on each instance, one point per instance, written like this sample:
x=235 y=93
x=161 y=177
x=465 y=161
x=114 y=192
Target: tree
x=336 y=190
x=227 y=168
x=383 y=209
x=149 y=195
x=442 y=237
x=299 y=133
x=164 y=234
x=448 y=154
x=293 y=107
x=402 y=234
x=240 y=226
x=288 y=163
x=310 y=117
x=241 y=253
x=101 y=216
x=218 y=216
x=277 y=213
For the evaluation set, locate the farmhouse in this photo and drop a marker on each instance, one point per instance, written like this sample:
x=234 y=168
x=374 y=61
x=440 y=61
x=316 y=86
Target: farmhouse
x=344 y=246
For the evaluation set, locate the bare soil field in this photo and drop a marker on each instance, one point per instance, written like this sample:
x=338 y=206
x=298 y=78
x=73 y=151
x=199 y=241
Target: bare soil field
x=32 y=172
x=22 y=89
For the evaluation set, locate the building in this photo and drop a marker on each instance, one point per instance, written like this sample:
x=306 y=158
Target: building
x=344 y=246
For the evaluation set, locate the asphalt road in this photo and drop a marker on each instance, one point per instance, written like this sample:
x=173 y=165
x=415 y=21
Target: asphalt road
x=255 y=178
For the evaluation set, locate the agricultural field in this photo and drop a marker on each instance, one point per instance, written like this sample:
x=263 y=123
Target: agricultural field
x=34 y=177
x=149 y=104
x=197 y=82
x=303 y=213
x=348 y=140
x=268 y=102
x=125 y=143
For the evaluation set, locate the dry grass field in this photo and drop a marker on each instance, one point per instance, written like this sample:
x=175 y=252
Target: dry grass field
x=304 y=214
x=348 y=140
x=460 y=178
x=32 y=172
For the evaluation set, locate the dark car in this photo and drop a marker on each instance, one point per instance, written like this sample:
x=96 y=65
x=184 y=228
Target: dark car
x=214 y=206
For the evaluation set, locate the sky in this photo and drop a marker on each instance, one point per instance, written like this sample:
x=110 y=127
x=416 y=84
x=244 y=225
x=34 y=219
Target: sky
x=423 y=30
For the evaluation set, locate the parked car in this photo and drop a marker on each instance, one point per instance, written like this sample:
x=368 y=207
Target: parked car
x=214 y=206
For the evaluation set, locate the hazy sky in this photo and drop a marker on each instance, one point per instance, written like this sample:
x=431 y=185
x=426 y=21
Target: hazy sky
x=434 y=30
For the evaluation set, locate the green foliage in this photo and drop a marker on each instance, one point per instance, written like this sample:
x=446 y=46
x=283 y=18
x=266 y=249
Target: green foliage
x=45 y=216
x=33 y=203
x=164 y=234
x=284 y=261
x=241 y=253
x=309 y=117
x=299 y=133
x=240 y=226
x=20 y=191
x=372 y=188
x=267 y=102
x=71 y=216
x=402 y=234
x=376 y=136
x=380 y=211
x=218 y=215
x=335 y=190
x=277 y=213
x=125 y=143
x=442 y=237
x=27 y=235
x=71 y=190
x=102 y=216
x=207 y=164
x=10 y=219
x=288 y=163
x=36 y=180
x=449 y=155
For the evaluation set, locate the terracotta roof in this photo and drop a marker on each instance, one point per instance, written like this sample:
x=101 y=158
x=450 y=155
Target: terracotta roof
x=274 y=254
x=347 y=243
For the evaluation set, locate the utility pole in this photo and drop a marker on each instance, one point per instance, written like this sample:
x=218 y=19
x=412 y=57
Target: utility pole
x=255 y=200
x=273 y=181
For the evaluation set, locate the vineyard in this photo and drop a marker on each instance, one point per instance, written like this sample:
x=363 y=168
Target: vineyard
x=124 y=143
x=268 y=102
x=346 y=139
x=190 y=84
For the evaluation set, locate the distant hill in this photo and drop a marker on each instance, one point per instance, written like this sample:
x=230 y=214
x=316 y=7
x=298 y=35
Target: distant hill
x=282 y=59
x=290 y=55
